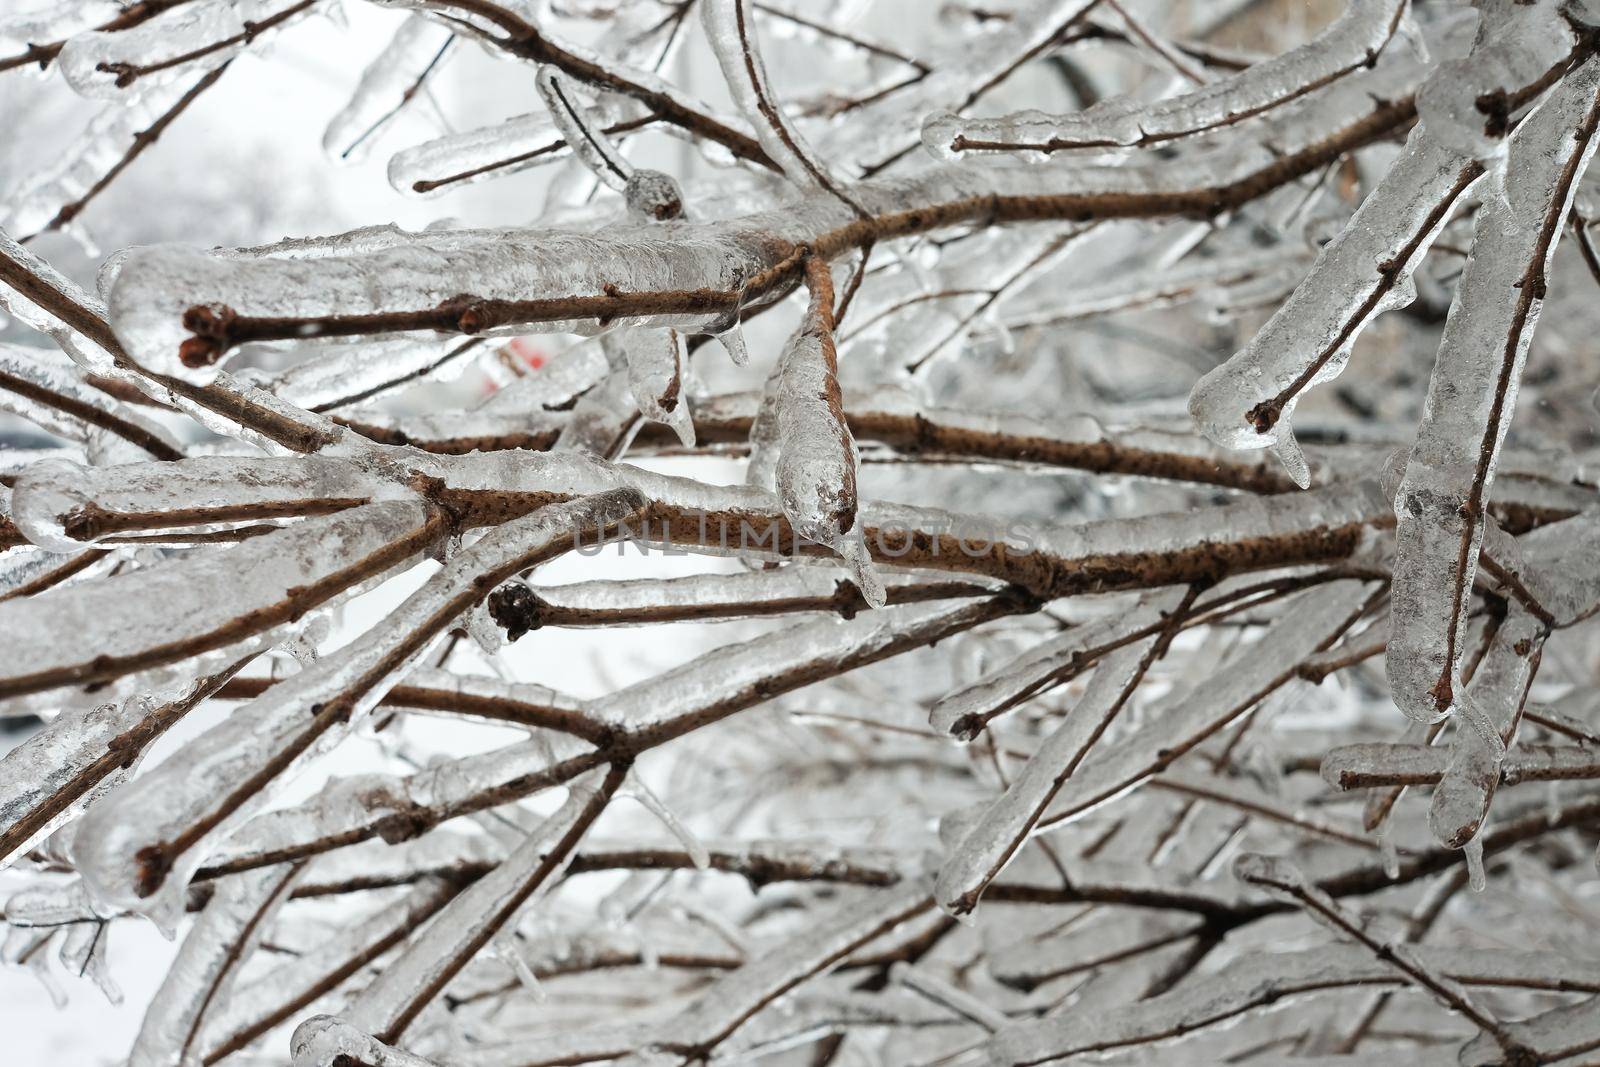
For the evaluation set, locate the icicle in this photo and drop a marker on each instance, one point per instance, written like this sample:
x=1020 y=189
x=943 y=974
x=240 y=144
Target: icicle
x=79 y=756
x=503 y=947
x=698 y=855
x=1390 y=852
x=732 y=341
x=1473 y=851
x=484 y=630
x=656 y=368
x=816 y=468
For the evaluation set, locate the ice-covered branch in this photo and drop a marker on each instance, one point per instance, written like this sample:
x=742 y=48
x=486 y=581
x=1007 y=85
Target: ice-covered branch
x=1005 y=825
x=691 y=279
x=1440 y=505
x=1253 y=981
x=1350 y=44
x=104 y=629
x=387 y=1006
x=732 y=33
x=1365 y=270
x=167 y=818
x=387 y=87
x=1305 y=624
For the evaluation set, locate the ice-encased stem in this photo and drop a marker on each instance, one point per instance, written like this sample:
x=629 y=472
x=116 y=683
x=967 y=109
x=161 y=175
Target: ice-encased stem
x=391 y=81
x=1253 y=980
x=731 y=31
x=737 y=997
x=1350 y=44
x=586 y=139
x=1005 y=825
x=1487 y=723
x=816 y=468
x=272 y=999
x=53 y=395
x=654 y=712
x=163 y=823
x=1306 y=623
x=44 y=779
x=66 y=506
x=105 y=629
x=1284 y=880
x=693 y=278
x=1376 y=765
x=1365 y=270
x=387 y=1006
x=208 y=963
x=1441 y=502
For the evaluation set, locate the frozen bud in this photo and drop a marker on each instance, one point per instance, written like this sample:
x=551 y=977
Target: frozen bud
x=653 y=196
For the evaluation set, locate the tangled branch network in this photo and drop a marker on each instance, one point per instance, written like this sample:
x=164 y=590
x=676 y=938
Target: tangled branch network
x=1086 y=648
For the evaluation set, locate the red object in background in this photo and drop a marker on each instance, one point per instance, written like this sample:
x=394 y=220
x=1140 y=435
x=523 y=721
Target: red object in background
x=528 y=350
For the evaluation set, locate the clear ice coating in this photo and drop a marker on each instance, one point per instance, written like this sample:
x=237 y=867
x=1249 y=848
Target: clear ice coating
x=815 y=471
x=1005 y=825
x=308 y=655
x=1350 y=43
x=656 y=369
x=272 y=731
x=1442 y=499
x=391 y=81
x=182 y=40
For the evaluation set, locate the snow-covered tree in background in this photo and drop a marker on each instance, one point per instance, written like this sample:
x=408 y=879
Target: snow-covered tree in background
x=1025 y=666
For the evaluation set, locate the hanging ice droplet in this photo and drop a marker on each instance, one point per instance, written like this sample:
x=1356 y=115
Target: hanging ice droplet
x=732 y=341
x=853 y=551
x=484 y=631
x=1388 y=851
x=1287 y=449
x=1473 y=851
